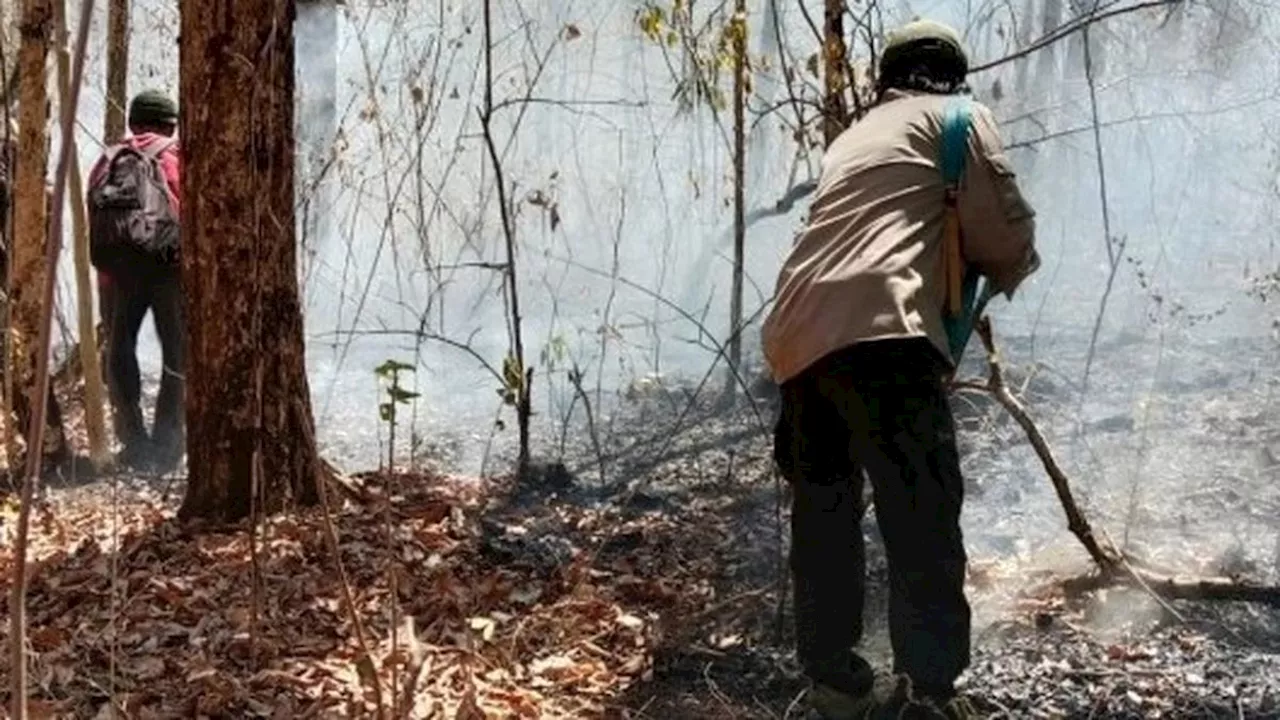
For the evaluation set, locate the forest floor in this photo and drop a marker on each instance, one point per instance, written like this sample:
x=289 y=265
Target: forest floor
x=646 y=582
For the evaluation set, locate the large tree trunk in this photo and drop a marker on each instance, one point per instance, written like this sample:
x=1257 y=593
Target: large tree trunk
x=248 y=403
x=30 y=227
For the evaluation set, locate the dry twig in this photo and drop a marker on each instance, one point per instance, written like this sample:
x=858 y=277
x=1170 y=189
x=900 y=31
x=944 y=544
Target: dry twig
x=1113 y=566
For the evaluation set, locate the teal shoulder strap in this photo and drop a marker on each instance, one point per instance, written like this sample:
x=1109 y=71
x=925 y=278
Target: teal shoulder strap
x=956 y=121
x=955 y=138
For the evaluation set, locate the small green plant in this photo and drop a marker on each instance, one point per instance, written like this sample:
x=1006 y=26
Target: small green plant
x=706 y=52
x=513 y=380
x=389 y=372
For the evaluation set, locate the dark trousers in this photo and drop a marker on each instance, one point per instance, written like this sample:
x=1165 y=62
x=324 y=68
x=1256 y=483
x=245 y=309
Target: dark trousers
x=879 y=408
x=131 y=298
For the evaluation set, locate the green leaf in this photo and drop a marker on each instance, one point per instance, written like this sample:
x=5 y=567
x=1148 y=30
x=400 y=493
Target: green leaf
x=387 y=412
x=400 y=395
x=390 y=367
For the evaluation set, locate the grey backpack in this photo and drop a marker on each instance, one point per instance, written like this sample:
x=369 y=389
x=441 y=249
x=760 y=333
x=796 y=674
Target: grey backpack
x=132 y=223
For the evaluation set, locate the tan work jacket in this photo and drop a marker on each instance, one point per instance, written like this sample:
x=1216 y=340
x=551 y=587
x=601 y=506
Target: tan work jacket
x=869 y=264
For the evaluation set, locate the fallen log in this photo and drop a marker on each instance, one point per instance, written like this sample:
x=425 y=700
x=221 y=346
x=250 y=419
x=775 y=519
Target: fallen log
x=1171 y=587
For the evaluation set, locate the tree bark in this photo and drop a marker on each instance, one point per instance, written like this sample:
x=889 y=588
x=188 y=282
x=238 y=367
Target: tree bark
x=114 y=123
x=10 y=162
x=30 y=227
x=248 y=402
x=739 y=30
x=117 y=69
x=95 y=422
x=834 y=109
x=10 y=17
x=18 y=579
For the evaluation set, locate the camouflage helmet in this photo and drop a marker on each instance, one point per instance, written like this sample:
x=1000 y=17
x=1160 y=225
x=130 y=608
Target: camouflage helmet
x=924 y=36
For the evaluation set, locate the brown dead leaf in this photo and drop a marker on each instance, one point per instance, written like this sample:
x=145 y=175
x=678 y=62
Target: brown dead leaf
x=48 y=638
x=521 y=704
x=45 y=709
x=183 y=636
x=1121 y=653
x=148 y=668
x=571 y=32
x=468 y=708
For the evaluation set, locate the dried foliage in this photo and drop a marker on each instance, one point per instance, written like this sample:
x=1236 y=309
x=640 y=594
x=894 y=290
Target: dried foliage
x=501 y=612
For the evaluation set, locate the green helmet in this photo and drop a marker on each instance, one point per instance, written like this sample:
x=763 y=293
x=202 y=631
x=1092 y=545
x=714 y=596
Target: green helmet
x=924 y=36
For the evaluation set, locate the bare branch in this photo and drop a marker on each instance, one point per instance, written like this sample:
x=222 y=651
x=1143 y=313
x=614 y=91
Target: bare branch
x=509 y=235
x=1071 y=27
x=570 y=105
x=1113 y=566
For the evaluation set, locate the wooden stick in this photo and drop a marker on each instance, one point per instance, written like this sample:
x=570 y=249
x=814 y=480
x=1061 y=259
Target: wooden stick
x=1114 y=567
x=94 y=418
x=1107 y=559
x=39 y=396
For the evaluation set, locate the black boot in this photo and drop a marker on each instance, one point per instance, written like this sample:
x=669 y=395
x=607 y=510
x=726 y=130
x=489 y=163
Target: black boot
x=908 y=703
x=138 y=455
x=828 y=703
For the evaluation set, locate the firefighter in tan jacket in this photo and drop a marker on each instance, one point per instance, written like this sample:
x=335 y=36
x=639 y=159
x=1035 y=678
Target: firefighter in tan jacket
x=856 y=341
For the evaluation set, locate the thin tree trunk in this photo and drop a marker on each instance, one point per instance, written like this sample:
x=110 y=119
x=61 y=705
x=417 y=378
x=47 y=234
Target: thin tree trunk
x=37 y=23
x=10 y=16
x=12 y=447
x=834 y=110
x=30 y=219
x=247 y=389
x=95 y=422
x=117 y=68
x=519 y=380
x=739 y=31
x=113 y=130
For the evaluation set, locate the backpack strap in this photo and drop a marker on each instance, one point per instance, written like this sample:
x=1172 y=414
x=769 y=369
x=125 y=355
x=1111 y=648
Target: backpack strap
x=157 y=149
x=956 y=120
x=962 y=296
x=153 y=152
x=110 y=153
x=954 y=148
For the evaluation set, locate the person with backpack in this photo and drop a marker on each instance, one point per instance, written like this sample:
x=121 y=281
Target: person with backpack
x=861 y=338
x=133 y=202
